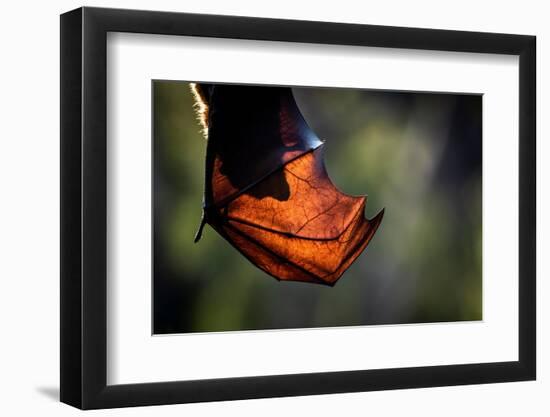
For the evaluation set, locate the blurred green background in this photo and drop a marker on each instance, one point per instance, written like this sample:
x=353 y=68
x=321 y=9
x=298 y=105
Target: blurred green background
x=416 y=154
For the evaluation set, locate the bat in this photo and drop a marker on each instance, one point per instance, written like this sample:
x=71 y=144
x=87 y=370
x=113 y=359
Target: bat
x=267 y=191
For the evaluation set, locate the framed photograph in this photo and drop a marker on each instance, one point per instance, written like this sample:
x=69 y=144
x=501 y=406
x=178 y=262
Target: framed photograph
x=217 y=241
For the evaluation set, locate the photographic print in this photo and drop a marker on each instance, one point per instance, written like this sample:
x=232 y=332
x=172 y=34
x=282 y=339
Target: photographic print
x=280 y=207
x=213 y=216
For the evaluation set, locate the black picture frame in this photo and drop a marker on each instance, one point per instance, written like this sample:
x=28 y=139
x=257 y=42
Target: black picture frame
x=84 y=207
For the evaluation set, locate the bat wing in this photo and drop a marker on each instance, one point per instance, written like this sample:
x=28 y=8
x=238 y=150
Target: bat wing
x=279 y=207
x=313 y=236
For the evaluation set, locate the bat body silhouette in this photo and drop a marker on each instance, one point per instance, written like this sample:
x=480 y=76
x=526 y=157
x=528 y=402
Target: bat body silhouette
x=267 y=191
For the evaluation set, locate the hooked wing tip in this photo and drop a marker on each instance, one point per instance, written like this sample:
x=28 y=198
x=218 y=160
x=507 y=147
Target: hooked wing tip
x=376 y=220
x=198 y=234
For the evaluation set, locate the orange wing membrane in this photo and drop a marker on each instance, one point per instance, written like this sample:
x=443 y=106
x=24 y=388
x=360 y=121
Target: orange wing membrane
x=267 y=191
